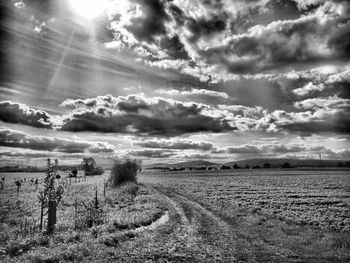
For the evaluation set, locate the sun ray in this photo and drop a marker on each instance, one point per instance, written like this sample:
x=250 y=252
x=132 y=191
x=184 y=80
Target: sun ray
x=59 y=65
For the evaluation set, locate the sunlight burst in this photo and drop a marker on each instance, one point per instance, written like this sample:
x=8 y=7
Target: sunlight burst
x=88 y=9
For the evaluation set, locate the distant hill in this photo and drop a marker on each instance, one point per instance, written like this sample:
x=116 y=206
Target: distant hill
x=189 y=164
x=196 y=164
x=277 y=162
x=274 y=163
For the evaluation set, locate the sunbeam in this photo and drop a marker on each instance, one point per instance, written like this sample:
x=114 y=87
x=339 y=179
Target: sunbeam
x=64 y=53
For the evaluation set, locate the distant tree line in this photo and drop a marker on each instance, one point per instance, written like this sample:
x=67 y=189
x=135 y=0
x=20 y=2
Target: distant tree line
x=285 y=165
x=345 y=164
x=17 y=168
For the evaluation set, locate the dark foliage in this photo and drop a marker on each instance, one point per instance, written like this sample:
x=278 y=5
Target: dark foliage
x=286 y=165
x=235 y=166
x=267 y=165
x=123 y=172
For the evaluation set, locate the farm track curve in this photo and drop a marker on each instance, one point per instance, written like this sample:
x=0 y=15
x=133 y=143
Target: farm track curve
x=212 y=238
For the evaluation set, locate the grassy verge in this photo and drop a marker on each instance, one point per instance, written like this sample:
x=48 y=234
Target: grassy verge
x=121 y=211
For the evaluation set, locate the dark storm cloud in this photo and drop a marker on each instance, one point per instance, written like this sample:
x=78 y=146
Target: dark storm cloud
x=338 y=122
x=324 y=81
x=205 y=27
x=316 y=115
x=152 y=153
x=265 y=36
x=143 y=116
x=177 y=14
x=177 y=144
x=340 y=40
x=139 y=115
x=151 y=23
x=174 y=47
x=278 y=44
x=19 y=113
x=16 y=139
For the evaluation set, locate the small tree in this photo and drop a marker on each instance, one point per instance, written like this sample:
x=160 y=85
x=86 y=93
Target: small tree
x=18 y=183
x=267 y=165
x=88 y=165
x=123 y=172
x=51 y=195
x=73 y=173
x=286 y=165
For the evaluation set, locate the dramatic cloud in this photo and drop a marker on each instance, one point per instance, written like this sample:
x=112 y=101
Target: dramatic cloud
x=310 y=122
x=308 y=88
x=152 y=153
x=139 y=115
x=11 y=138
x=278 y=149
x=26 y=153
x=324 y=103
x=195 y=156
x=20 y=113
x=194 y=92
x=151 y=23
x=176 y=144
x=330 y=114
x=203 y=38
x=226 y=73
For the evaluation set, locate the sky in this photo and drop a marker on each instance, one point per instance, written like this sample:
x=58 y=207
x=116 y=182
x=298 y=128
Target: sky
x=174 y=80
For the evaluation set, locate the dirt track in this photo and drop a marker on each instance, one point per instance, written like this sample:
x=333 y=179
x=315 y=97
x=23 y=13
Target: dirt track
x=193 y=233
x=206 y=236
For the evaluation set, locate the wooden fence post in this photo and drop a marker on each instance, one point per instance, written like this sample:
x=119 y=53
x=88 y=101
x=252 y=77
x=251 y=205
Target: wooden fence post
x=96 y=199
x=42 y=214
x=75 y=213
x=51 y=217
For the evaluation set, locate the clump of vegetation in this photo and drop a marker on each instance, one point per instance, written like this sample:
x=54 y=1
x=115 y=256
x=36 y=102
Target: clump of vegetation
x=88 y=165
x=18 y=183
x=286 y=165
x=73 y=173
x=94 y=215
x=126 y=193
x=51 y=195
x=123 y=172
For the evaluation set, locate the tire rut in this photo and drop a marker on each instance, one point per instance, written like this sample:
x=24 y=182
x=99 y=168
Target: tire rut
x=207 y=233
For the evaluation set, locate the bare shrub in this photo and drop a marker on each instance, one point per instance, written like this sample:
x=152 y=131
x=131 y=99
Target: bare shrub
x=92 y=216
x=51 y=195
x=123 y=172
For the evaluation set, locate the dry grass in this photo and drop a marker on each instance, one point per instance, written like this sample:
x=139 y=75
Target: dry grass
x=293 y=213
x=300 y=217
x=120 y=212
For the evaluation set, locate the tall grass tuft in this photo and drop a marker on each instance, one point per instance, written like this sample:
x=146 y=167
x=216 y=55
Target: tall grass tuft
x=123 y=171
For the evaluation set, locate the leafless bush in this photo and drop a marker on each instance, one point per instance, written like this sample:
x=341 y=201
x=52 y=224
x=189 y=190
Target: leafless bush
x=123 y=172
